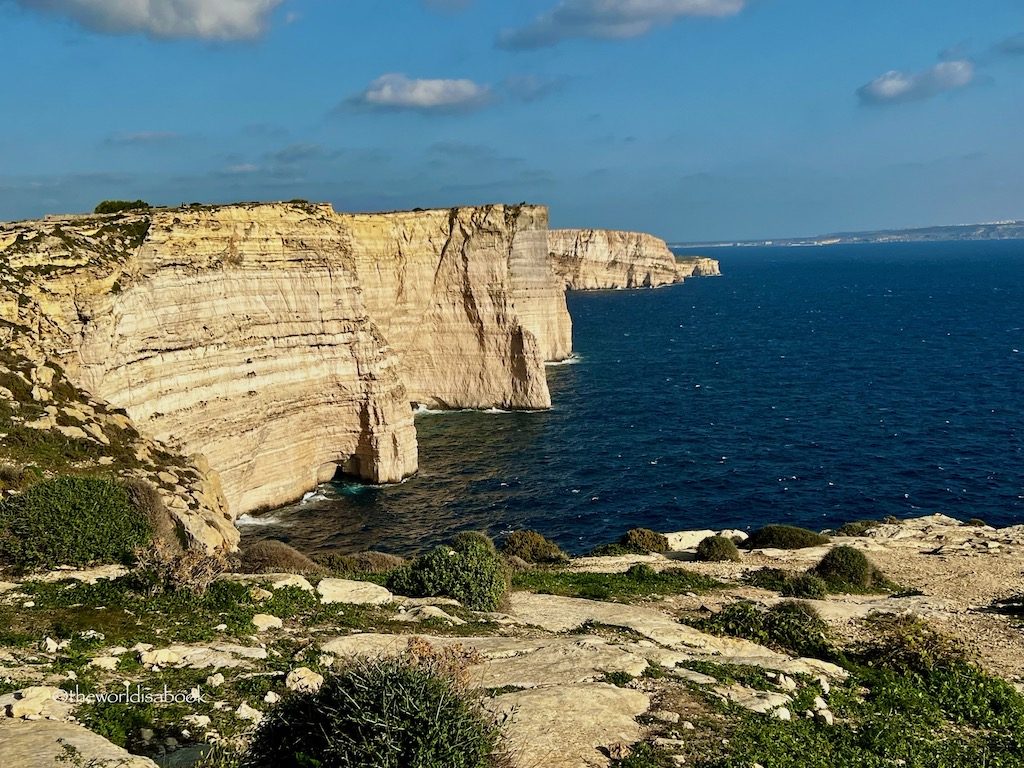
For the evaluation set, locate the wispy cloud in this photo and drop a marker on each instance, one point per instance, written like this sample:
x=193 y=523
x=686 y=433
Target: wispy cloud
x=609 y=19
x=202 y=19
x=898 y=87
x=398 y=92
x=1012 y=46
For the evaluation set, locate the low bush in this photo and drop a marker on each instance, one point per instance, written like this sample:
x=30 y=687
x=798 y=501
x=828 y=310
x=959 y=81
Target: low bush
x=858 y=528
x=785 y=537
x=806 y=586
x=773 y=579
x=845 y=569
x=71 y=521
x=790 y=626
x=271 y=556
x=118 y=206
x=360 y=562
x=469 y=539
x=637 y=541
x=408 y=712
x=470 y=571
x=718 y=549
x=533 y=548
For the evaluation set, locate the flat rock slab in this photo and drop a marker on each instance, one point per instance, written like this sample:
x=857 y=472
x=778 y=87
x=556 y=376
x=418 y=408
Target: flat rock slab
x=561 y=614
x=49 y=744
x=352 y=592
x=513 y=662
x=272 y=580
x=761 y=702
x=566 y=726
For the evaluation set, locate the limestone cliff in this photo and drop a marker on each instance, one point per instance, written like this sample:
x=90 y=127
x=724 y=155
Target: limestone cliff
x=697 y=266
x=593 y=259
x=281 y=342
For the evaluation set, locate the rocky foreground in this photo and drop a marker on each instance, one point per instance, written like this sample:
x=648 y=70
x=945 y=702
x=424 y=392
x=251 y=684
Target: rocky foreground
x=601 y=669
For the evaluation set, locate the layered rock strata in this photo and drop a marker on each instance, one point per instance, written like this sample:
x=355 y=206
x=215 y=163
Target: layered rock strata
x=283 y=342
x=595 y=259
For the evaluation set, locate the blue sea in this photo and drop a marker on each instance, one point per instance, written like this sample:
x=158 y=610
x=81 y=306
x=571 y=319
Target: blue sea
x=811 y=386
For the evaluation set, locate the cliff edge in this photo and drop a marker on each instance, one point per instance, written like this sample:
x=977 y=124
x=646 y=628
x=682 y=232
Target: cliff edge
x=277 y=344
x=596 y=259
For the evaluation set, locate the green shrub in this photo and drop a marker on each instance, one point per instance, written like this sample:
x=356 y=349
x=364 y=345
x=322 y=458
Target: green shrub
x=360 y=562
x=806 y=586
x=386 y=713
x=71 y=521
x=858 y=528
x=790 y=626
x=718 y=549
x=773 y=579
x=118 y=206
x=845 y=569
x=270 y=556
x=638 y=582
x=469 y=571
x=785 y=537
x=644 y=540
x=470 y=539
x=977 y=522
x=533 y=548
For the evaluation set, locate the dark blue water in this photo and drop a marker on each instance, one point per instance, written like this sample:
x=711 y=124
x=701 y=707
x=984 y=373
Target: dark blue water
x=810 y=386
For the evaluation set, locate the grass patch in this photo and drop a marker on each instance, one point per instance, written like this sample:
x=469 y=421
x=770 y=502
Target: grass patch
x=790 y=626
x=638 y=581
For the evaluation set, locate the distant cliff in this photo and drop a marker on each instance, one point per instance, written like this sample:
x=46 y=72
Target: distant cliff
x=592 y=259
x=275 y=344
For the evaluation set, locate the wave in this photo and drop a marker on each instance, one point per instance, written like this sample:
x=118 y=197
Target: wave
x=260 y=520
x=570 y=360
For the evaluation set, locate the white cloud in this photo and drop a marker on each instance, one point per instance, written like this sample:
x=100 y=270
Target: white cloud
x=896 y=87
x=203 y=19
x=396 y=91
x=610 y=19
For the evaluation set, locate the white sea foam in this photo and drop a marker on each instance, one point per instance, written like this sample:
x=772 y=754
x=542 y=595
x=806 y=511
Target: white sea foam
x=571 y=360
x=260 y=520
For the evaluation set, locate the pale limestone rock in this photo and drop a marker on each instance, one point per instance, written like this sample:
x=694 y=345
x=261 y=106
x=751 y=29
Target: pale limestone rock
x=565 y=727
x=161 y=657
x=589 y=259
x=108 y=663
x=49 y=744
x=352 y=592
x=303 y=680
x=282 y=342
x=427 y=613
x=686 y=540
x=763 y=702
x=264 y=622
x=245 y=712
x=270 y=580
x=34 y=702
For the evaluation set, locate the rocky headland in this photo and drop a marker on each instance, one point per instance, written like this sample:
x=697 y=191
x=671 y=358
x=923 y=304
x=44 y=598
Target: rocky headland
x=601 y=259
x=268 y=347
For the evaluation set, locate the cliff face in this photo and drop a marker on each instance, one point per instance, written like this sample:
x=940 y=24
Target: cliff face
x=282 y=342
x=697 y=266
x=592 y=259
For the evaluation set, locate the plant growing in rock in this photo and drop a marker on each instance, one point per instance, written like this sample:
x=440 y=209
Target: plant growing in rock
x=413 y=711
x=119 y=206
x=533 y=547
x=470 y=571
x=718 y=549
x=785 y=537
x=806 y=586
x=71 y=521
x=845 y=569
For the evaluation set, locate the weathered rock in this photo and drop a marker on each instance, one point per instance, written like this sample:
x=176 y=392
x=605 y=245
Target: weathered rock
x=34 y=702
x=565 y=727
x=264 y=622
x=588 y=259
x=303 y=680
x=352 y=592
x=428 y=613
x=49 y=744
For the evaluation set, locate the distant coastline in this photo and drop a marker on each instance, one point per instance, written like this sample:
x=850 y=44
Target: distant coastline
x=997 y=230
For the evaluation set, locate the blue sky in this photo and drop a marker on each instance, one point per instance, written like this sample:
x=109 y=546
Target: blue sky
x=692 y=119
